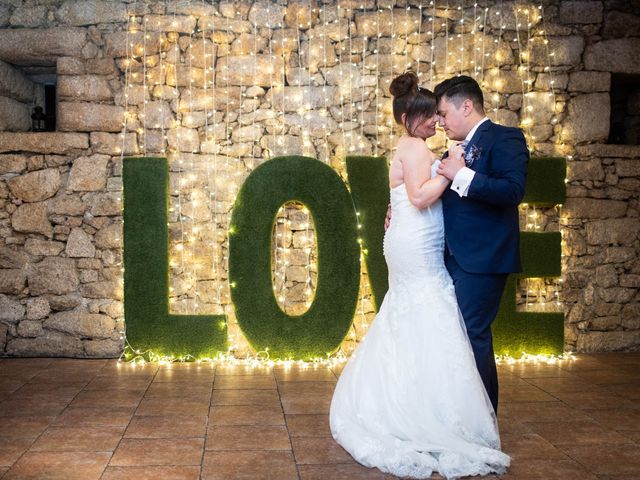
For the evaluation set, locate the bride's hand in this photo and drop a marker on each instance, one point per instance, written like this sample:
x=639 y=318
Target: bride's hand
x=456 y=151
x=387 y=220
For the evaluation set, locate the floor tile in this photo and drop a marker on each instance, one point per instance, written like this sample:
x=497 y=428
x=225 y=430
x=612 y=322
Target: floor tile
x=246 y=397
x=607 y=459
x=243 y=370
x=248 y=437
x=524 y=393
x=173 y=406
x=152 y=473
x=148 y=451
x=95 y=417
x=24 y=427
x=107 y=398
x=341 y=472
x=251 y=465
x=201 y=391
x=542 y=469
x=11 y=449
x=576 y=433
x=305 y=375
x=59 y=466
x=616 y=419
x=319 y=450
x=306 y=403
x=530 y=446
x=594 y=400
x=246 y=415
x=234 y=382
x=33 y=407
x=173 y=426
x=79 y=439
x=308 y=425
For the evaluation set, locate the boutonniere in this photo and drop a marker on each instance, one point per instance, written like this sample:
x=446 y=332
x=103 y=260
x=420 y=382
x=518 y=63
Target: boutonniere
x=472 y=154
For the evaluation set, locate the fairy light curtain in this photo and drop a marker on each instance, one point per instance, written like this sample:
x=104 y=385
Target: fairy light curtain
x=219 y=88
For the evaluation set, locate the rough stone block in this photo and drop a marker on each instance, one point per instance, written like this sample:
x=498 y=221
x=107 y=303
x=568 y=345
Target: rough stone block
x=588 y=118
x=43 y=248
x=112 y=143
x=64 y=302
x=566 y=51
x=91 y=12
x=28 y=16
x=36 y=186
x=67 y=205
x=620 y=24
x=52 y=344
x=170 y=23
x=103 y=348
x=106 y=289
x=589 y=82
x=617 y=231
x=184 y=139
x=12 y=281
x=585 y=170
x=84 y=87
x=292 y=99
x=580 y=12
x=266 y=14
x=592 y=208
x=37 y=308
x=53 y=275
x=32 y=218
x=241 y=70
x=12 y=163
x=503 y=15
x=10 y=310
x=89 y=173
x=14 y=116
x=24 y=46
x=43 y=142
x=628 y=168
x=116 y=43
x=104 y=204
x=11 y=257
x=79 y=244
x=545 y=81
x=400 y=22
x=619 y=55
x=30 y=329
x=89 y=117
x=82 y=324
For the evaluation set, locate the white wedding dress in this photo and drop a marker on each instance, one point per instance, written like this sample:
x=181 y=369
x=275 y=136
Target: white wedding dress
x=410 y=400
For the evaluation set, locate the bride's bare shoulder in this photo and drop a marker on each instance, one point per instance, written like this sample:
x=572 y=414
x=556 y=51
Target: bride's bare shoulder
x=411 y=143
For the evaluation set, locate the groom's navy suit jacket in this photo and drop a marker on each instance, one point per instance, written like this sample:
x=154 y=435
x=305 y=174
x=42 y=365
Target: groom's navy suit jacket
x=482 y=228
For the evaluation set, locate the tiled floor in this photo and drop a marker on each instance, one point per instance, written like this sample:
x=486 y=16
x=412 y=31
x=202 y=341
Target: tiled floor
x=92 y=419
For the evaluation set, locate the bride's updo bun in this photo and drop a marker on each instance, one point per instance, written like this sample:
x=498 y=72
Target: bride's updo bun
x=403 y=84
x=416 y=103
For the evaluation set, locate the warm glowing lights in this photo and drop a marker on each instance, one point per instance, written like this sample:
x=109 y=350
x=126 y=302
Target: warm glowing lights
x=216 y=125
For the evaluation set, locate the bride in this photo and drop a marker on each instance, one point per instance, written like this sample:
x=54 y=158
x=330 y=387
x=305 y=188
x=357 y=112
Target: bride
x=410 y=400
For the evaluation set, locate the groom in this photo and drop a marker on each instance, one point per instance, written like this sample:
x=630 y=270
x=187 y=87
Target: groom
x=480 y=212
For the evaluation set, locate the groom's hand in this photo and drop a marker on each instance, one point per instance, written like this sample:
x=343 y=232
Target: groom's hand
x=452 y=164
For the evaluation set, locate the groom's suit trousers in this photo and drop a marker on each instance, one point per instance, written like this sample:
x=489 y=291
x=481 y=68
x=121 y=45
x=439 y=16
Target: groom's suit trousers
x=479 y=298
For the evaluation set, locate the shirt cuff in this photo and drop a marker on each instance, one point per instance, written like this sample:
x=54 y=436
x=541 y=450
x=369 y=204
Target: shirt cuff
x=462 y=181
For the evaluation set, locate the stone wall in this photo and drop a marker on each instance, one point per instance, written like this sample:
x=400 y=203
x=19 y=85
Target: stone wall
x=273 y=78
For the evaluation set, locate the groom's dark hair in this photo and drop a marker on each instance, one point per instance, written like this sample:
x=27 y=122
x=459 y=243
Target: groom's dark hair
x=457 y=89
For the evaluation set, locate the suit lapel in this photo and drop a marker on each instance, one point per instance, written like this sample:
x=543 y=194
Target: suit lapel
x=486 y=125
x=480 y=139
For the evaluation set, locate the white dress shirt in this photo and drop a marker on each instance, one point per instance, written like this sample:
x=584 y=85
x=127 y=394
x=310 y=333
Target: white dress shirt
x=463 y=178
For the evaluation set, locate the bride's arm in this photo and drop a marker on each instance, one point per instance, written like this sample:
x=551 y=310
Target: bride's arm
x=416 y=158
